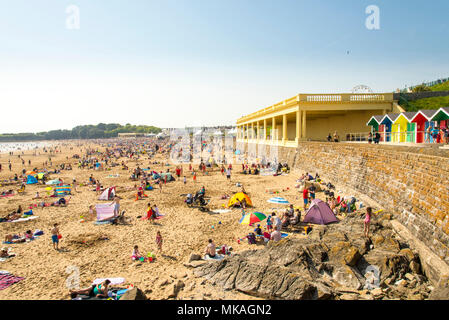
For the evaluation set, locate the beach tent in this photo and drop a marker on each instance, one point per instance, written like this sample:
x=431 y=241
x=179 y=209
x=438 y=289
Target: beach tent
x=104 y=212
x=278 y=200
x=374 y=122
x=239 y=197
x=168 y=175
x=387 y=122
x=319 y=213
x=31 y=179
x=422 y=118
x=64 y=190
x=108 y=194
x=40 y=175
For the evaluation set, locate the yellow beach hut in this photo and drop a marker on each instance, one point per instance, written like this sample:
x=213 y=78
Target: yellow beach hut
x=399 y=128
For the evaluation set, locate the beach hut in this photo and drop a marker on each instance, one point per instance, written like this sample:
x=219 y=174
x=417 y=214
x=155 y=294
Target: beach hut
x=422 y=119
x=401 y=126
x=374 y=123
x=387 y=123
x=442 y=117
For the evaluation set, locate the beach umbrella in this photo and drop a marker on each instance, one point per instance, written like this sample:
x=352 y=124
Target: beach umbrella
x=278 y=200
x=252 y=218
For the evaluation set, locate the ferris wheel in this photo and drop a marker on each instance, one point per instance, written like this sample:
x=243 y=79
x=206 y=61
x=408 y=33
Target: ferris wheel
x=362 y=89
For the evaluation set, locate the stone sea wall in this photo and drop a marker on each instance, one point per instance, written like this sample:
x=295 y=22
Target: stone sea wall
x=411 y=182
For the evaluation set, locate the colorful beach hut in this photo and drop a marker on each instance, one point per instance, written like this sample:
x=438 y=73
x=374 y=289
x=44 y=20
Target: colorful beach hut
x=374 y=123
x=386 y=125
x=422 y=120
x=403 y=130
x=442 y=117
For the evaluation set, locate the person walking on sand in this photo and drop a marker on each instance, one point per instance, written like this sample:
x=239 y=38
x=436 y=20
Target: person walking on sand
x=160 y=184
x=194 y=176
x=367 y=221
x=228 y=174
x=159 y=241
x=55 y=236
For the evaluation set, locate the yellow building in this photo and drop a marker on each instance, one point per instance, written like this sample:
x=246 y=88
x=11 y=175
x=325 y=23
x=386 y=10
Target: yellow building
x=313 y=117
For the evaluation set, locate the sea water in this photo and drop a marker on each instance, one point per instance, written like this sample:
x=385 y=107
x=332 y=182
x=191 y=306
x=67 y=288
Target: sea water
x=6 y=147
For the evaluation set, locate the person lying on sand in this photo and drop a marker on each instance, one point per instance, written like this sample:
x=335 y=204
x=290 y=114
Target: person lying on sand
x=98 y=291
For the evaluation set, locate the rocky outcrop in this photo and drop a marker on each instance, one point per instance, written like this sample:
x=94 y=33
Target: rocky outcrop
x=333 y=262
x=133 y=294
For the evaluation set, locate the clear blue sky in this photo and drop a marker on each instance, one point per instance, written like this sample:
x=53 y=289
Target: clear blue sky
x=172 y=63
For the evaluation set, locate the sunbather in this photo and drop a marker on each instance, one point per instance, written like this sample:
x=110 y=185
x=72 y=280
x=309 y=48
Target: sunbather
x=98 y=291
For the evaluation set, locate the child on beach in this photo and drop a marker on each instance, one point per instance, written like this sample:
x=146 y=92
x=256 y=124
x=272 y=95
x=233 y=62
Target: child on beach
x=136 y=254
x=367 y=221
x=55 y=236
x=269 y=223
x=159 y=241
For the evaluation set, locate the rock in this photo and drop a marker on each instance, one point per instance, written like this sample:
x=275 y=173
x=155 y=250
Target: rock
x=165 y=282
x=344 y=252
x=409 y=277
x=195 y=257
x=441 y=291
x=195 y=264
x=348 y=277
x=349 y=296
x=334 y=265
x=415 y=297
x=415 y=267
x=408 y=253
x=178 y=286
x=377 y=293
x=133 y=294
x=324 y=292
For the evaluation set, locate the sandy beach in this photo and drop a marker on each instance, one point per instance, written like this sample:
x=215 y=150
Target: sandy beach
x=184 y=230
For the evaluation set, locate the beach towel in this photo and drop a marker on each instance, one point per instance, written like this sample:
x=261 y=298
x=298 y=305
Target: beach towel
x=217 y=257
x=7 y=280
x=104 y=211
x=102 y=222
x=114 y=281
x=278 y=200
x=222 y=211
x=25 y=219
